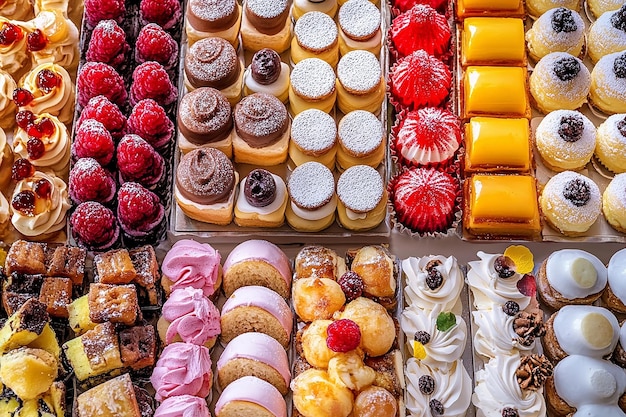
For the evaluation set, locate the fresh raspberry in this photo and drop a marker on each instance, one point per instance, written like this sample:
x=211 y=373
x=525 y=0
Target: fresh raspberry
x=94 y=226
x=351 y=284
x=138 y=209
x=108 y=44
x=155 y=44
x=97 y=10
x=148 y=120
x=92 y=140
x=101 y=109
x=138 y=161
x=90 y=182
x=166 y=13
x=150 y=80
x=343 y=335
x=97 y=78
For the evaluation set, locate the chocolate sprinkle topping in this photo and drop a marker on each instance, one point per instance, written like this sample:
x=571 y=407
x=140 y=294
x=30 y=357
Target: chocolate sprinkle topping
x=577 y=191
x=509 y=412
x=436 y=407
x=571 y=128
x=422 y=337
x=510 y=308
x=563 y=21
x=618 y=20
x=619 y=66
x=260 y=188
x=567 y=68
x=426 y=384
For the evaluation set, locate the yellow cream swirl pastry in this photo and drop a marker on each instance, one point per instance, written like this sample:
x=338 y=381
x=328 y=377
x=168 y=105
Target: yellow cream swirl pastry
x=431 y=281
x=60 y=45
x=607 y=34
x=435 y=337
x=70 y=8
x=16 y=9
x=56 y=145
x=13 y=52
x=52 y=89
x=557 y=30
x=40 y=204
x=7 y=106
x=452 y=390
x=6 y=161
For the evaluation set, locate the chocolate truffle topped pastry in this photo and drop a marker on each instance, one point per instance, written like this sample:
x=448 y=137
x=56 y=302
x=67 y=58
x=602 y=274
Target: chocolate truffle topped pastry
x=315 y=36
x=267 y=74
x=262 y=200
x=261 y=130
x=359 y=27
x=205 y=186
x=301 y=7
x=214 y=18
x=205 y=119
x=608 y=83
x=265 y=24
x=213 y=62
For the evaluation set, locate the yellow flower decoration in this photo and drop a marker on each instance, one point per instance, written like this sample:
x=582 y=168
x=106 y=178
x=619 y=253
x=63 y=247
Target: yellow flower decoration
x=522 y=257
x=419 y=351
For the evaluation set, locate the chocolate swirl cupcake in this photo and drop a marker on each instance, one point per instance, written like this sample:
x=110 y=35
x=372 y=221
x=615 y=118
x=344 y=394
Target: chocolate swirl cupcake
x=205 y=176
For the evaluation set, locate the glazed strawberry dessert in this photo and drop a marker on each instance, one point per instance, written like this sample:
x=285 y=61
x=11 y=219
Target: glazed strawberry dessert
x=92 y=140
x=108 y=44
x=419 y=80
x=101 y=109
x=94 y=226
x=428 y=136
x=420 y=27
x=150 y=80
x=149 y=120
x=165 y=13
x=89 y=181
x=155 y=44
x=97 y=10
x=140 y=213
x=138 y=161
x=97 y=78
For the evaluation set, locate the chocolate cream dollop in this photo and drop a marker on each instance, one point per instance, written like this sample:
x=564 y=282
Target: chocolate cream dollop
x=205 y=176
x=261 y=119
x=260 y=188
x=265 y=66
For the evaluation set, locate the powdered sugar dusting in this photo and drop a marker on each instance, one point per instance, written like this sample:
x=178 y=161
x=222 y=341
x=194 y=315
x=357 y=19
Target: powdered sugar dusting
x=315 y=31
x=314 y=130
x=359 y=71
x=617 y=189
x=360 y=188
x=313 y=78
x=606 y=36
x=359 y=18
x=211 y=60
x=547 y=136
x=545 y=34
x=266 y=9
x=204 y=109
x=553 y=194
x=311 y=185
x=260 y=115
x=360 y=132
x=212 y=10
x=544 y=79
x=605 y=82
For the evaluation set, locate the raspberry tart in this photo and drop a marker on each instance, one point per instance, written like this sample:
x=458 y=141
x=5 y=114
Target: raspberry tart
x=150 y=80
x=138 y=161
x=104 y=111
x=141 y=215
x=425 y=199
x=97 y=78
x=108 y=44
x=428 y=136
x=92 y=140
x=89 y=181
x=97 y=10
x=94 y=226
x=149 y=120
x=155 y=44
x=421 y=27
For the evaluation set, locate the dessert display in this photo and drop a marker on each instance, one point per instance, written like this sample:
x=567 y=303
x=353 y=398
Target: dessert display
x=610 y=140
x=557 y=30
x=359 y=27
x=360 y=83
x=613 y=203
x=221 y=19
x=493 y=41
x=420 y=28
x=312 y=85
x=262 y=200
x=266 y=24
x=608 y=79
x=315 y=36
x=362 y=198
x=313 y=138
x=361 y=140
x=267 y=74
x=607 y=35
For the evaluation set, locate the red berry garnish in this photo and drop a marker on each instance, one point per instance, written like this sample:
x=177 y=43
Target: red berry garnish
x=149 y=120
x=97 y=78
x=43 y=188
x=101 y=109
x=47 y=80
x=155 y=44
x=46 y=127
x=22 y=168
x=35 y=148
x=343 y=336
x=94 y=225
x=138 y=208
x=163 y=12
x=527 y=285
x=138 y=161
x=150 y=80
x=36 y=41
x=351 y=284
x=24 y=202
x=10 y=33
x=97 y=10
x=92 y=140
x=24 y=118
x=108 y=44
x=90 y=182
x=21 y=97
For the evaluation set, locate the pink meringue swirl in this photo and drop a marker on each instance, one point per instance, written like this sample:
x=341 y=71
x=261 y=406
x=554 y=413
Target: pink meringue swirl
x=192 y=316
x=182 y=369
x=183 y=406
x=192 y=264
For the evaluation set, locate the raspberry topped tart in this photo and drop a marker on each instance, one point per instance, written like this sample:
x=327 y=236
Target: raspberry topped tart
x=165 y=13
x=97 y=10
x=155 y=44
x=428 y=136
x=89 y=181
x=150 y=80
x=92 y=140
x=97 y=78
x=149 y=120
x=108 y=44
x=104 y=111
x=140 y=213
x=138 y=161
x=420 y=27
x=94 y=226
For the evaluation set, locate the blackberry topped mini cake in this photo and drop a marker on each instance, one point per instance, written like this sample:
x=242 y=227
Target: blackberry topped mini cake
x=557 y=30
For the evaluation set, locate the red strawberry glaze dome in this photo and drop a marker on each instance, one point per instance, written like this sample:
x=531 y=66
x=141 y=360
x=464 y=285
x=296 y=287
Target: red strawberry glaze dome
x=138 y=161
x=419 y=80
x=421 y=27
x=92 y=140
x=101 y=109
x=90 y=182
x=155 y=44
x=150 y=80
x=149 y=120
x=424 y=199
x=139 y=210
x=165 y=13
x=94 y=226
x=404 y=5
x=97 y=10
x=97 y=78
x=427 y=136
x=108 y=44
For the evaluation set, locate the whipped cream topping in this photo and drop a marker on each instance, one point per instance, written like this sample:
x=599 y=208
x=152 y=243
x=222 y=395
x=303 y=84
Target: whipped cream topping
x=59 y=101
x=192 y=316
x=3 y=144
x=453 y=389
x=568 y=272
x=586 y=330
x=487 y=288
x=17 y=9
x=497 y=387
x=57 y=147
x=444 y=347
x=12 y=56
x=315 y=214
x=417 y=292
x=244 y=206
x=192 y=264
x=495 y=334
x=616 y=272
x=62 y=36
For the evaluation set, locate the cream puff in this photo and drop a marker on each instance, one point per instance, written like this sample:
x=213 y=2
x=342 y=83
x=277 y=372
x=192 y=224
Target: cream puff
x=360 y=83
x=301 y=7
x=262 y=200
x=261 y=130
x=312 y=86
x=607 y=35
x=361 y=140
x=315 y=36
x=597 y=7
x=313 y=138
x=614 y=203
x=267 y=74
x=359 y=27
x=362 y=198
x=611 y=143
x=205 y=119
x=608 y=83
x=266 y=24
x=205 y=186
x=221 y=19
x=313 y=198
x=318 y=261
x=557 y=30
